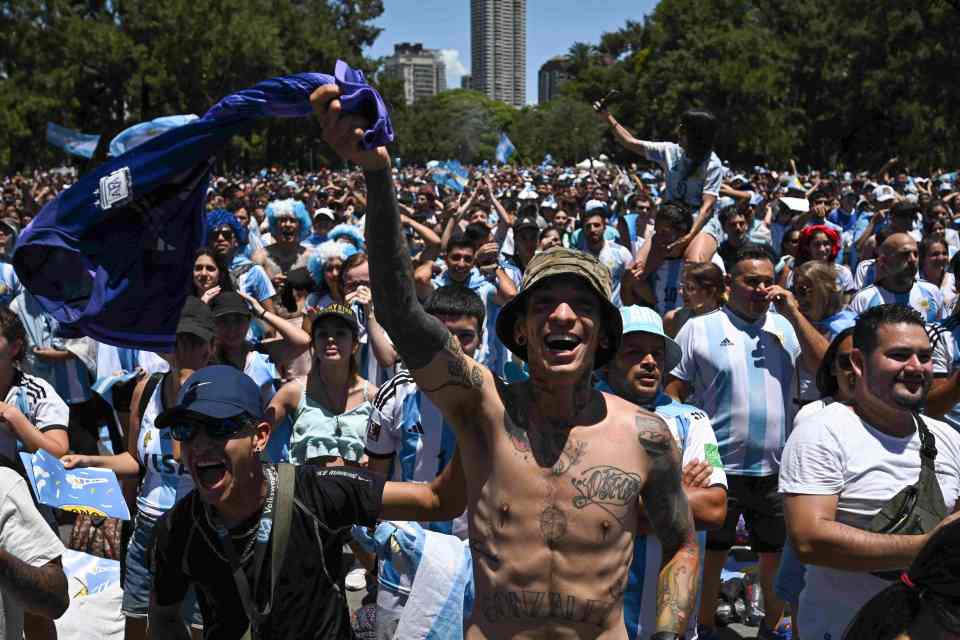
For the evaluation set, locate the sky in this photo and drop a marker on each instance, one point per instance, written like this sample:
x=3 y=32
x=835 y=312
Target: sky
x=552 y=26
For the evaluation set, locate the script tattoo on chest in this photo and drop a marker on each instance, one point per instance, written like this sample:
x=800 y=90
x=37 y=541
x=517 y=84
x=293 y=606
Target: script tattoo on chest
x=506 y=606
x=608 y=487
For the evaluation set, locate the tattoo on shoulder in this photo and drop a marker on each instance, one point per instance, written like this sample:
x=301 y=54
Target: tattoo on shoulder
x=654 y=436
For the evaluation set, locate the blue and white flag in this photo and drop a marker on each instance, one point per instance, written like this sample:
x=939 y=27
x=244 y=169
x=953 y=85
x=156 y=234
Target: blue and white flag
x=112 y=256
x=505 y=148
x=139 y=133
x=71 y=141
x=451 y=174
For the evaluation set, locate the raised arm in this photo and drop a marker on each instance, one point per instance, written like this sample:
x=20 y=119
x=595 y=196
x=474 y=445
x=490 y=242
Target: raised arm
x=293 y=340
x=621 y=133
x=451 y=379
x=672 y=522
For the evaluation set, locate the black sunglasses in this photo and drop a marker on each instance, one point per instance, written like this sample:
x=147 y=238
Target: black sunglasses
x=226 y=234
x=222 y=429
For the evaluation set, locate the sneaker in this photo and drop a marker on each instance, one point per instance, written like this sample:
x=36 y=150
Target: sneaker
x=782 y=632
x=356 y=579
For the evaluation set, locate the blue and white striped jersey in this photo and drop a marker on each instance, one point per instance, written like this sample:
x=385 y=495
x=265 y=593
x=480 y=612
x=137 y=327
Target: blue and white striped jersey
x=694 y=435
x=493 y=354
x=923 y=296
x=742 y=375
x=9 y=284
x=665 y=282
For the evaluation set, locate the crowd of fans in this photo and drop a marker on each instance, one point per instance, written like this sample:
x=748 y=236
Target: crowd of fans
x=804 y=318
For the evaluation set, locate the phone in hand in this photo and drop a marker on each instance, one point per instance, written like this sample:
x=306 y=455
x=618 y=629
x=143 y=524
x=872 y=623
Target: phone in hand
x=601 y=104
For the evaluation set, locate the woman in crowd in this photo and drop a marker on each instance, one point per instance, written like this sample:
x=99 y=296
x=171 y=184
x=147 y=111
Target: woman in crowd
x=209 y=276
x=924 y=604
x=702 y=290
x=330 y=412
x=551 y=237
x=835 y=380
x=324 y=267
x=153 y=457
x=822 y=303
x=934 y=262
x=820 y=243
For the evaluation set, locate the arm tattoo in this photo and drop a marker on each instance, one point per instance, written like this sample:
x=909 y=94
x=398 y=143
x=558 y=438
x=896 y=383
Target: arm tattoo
x=463 y=371
x=42 y=589
x=417 y=335
x=669 y=513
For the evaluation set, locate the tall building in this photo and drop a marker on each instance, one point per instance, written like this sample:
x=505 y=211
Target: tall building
x=466 y=81
x=498 y=48
x=422 y=70
x=552 y=74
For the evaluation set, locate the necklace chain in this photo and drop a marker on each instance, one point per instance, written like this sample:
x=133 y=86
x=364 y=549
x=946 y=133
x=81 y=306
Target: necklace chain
x=251 y=533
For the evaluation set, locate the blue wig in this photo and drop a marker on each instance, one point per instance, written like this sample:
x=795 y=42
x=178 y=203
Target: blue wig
x=350 y=232
x=219 y=217
x=288 y=208
x=324 y=252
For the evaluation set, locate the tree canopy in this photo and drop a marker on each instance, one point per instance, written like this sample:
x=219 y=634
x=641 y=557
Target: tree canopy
x=832 y=84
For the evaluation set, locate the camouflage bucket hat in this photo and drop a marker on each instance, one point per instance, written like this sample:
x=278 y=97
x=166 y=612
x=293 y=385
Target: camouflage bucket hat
x=561 y=261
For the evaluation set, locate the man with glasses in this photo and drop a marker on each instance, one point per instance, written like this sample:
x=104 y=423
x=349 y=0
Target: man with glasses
x=845 y=463
x=227 y=239
x=220 y=536
x=740 y=363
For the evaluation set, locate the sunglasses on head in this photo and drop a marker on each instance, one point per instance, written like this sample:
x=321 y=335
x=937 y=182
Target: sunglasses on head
x=222 y=429
x=225 y=233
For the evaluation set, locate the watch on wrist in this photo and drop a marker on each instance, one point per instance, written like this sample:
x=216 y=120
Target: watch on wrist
x=665 y=635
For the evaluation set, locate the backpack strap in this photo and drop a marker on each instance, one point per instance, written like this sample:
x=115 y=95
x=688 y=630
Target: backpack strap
x=281 y=524
x=151 y=386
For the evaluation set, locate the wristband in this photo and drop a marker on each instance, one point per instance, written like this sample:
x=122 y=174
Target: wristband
x=665 y=635
x=263 y=315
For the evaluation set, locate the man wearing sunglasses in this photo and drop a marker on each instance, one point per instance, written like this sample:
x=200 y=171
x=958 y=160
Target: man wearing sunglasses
x=219 y=537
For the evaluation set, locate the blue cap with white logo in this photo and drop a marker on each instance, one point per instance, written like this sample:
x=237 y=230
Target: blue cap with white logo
x=217 y=392
x=637 y=319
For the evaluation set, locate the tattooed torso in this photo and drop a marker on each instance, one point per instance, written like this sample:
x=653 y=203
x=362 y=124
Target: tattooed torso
x=552 y=527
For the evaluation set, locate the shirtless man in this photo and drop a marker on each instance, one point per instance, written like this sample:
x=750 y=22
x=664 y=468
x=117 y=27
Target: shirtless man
x=555 y=470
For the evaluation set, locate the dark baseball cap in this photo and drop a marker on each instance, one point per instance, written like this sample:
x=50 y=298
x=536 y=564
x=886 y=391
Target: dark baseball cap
x=217 y=392
x=526 y=222
x=229 y=302
x=196 y=319
x=339 y=311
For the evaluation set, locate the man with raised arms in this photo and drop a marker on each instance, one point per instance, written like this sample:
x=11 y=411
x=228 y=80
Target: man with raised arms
x=554 y=470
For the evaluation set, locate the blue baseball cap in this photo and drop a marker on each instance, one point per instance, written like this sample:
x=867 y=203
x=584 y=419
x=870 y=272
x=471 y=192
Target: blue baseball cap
x=217 y=392
x=637 y=319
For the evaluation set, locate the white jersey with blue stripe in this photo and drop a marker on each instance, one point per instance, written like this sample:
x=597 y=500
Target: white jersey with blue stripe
x=923 y=296
x=165 y=480
x=694 y=434
x=665 y=282
x=742 y=375
x=946 y=359
x=70 y=377
x=38 y=401
x=406 y=424
x=10 y=286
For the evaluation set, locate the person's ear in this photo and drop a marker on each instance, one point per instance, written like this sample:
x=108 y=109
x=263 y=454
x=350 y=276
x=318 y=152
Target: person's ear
x=519 y=332
x=857 y=359
x=261 y=436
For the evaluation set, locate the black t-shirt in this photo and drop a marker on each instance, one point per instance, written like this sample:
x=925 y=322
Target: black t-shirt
x=309 y=601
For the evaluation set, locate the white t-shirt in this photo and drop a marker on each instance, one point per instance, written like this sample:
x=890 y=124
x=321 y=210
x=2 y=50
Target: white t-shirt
x=24 y=535
x=37 y=400
x=833 y=452
x=673 y=160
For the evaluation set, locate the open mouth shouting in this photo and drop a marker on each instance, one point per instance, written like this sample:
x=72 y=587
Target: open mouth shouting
x=210 y=471
x=561 y=344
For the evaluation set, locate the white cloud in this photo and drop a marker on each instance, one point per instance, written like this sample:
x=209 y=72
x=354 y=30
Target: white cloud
x=455 y=68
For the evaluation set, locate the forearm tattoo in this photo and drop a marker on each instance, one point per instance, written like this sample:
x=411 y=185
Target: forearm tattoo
x=417 y=335
x=666 y=506
x=464 y=372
